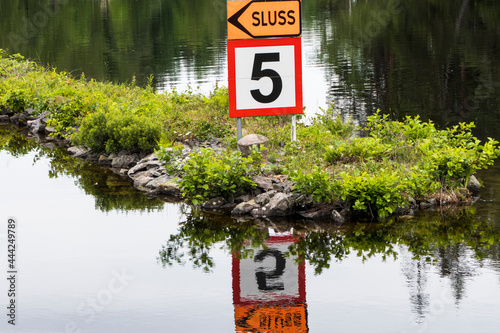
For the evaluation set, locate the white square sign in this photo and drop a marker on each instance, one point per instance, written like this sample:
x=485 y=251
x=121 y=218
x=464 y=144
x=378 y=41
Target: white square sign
x=265 y=77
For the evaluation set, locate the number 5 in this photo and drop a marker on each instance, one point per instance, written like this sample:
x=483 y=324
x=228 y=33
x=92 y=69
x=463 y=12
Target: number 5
x=258 y=73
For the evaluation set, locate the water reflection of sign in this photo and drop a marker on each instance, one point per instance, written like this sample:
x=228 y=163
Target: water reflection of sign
x=258 y=318
x=269 y=292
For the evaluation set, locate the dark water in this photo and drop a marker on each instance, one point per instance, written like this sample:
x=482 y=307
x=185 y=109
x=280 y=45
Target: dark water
x=97 y=256
x=438 y=59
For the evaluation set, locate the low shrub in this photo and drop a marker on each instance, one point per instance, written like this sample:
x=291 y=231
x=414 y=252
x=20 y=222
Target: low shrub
x=334 y=123
x=172 y=159
x=378 y=194
x=317 y=184
x=114 y=131
x=208 y=175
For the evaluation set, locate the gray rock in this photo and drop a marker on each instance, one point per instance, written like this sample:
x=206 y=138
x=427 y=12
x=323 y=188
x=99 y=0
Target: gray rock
x=20 y=119
x=320 y=214
x=263 y=182
x=30 y=111
x=5 y=111
x=285 y=186
x=50 y=130
x=149 y=162
x=164 y=185
x=37 y=125
x=49 y=145
x=137 y=168
x=4 y=118
x=279 y=187
x=246 y=143
x=337 y=217
x=78 y=151
x=474 y=185
x=243 y=198
x=141 y=181
x=245 y=207
x=401 y=210
x=262 y=199
x=281 y=204
x=104 y=160
x=302 y=201
x=214 y=203
x=429 y=203
x=124 y=161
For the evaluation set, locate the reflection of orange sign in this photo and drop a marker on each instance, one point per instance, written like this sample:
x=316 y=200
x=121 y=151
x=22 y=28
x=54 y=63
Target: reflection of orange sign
x=254 y=19
x=258 y=318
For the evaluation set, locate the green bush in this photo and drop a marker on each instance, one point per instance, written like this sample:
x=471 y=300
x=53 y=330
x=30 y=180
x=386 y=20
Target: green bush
x=171 y=158
x=208 y=175
x=114 y=131
x=16 y=100
x=334 y=123
x=378 y=194
x=317 y=184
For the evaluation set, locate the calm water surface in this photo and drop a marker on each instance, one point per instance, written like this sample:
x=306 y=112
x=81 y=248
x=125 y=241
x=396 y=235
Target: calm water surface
x=94 y=255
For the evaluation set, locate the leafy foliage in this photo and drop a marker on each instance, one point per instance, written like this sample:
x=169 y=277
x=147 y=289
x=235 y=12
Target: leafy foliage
x=377 y=173
x=379 y=194
x=334 y=123
x=114 y=131
x=208 y=175
x=317 y=184
x=356 y=150
x=171 y=158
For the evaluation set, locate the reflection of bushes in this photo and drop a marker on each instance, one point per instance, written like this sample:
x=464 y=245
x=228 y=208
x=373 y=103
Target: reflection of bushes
x=425 y=237
x=199 y=234
x=111 y=192
x=17 y=145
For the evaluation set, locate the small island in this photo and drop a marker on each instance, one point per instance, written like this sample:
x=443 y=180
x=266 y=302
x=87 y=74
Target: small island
x=184 y=145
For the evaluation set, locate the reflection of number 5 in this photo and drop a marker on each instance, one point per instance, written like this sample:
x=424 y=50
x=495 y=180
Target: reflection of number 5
x=258 y=73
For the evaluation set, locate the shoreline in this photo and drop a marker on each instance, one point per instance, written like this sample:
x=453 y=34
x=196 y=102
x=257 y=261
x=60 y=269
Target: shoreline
x=329 y=172
x=272 y=199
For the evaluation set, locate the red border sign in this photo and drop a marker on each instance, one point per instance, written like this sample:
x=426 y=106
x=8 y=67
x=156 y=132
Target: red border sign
x=256 y=64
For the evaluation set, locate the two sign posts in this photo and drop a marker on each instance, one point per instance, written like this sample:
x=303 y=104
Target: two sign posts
x=264 y=59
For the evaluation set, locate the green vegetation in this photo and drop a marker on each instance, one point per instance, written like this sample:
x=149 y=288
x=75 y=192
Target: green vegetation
x=373 y=175
x=208 y=175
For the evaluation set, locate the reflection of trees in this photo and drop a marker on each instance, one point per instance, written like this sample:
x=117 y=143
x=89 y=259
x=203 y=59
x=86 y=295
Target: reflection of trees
x=415 y=272
x=116 y=40
x=431 y=58
x=110 y=191
x=454 y=262
x=452 y=242
x=493 y=254
x=199 y=234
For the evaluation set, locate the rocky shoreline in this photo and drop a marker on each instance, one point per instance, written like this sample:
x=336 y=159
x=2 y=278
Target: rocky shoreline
x=272 y=197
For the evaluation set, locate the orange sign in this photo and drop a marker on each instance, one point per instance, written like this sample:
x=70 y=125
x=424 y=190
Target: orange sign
x=257 y=18
x=283 y=319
